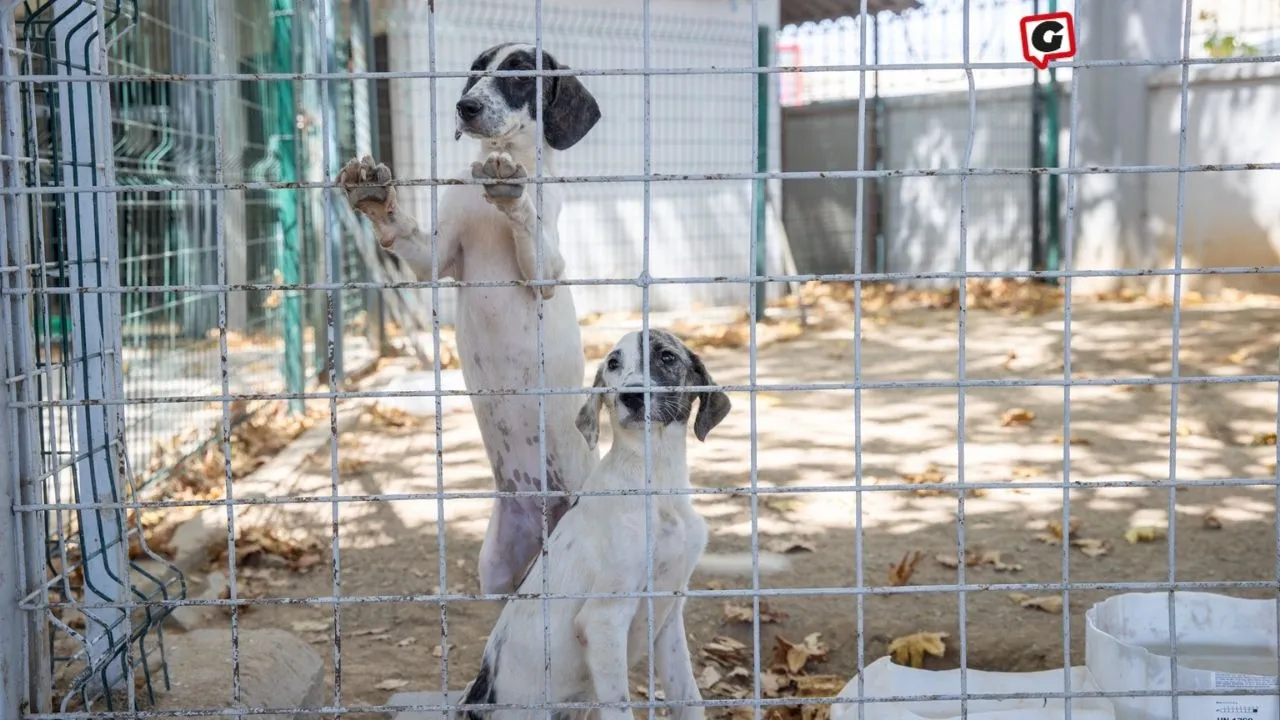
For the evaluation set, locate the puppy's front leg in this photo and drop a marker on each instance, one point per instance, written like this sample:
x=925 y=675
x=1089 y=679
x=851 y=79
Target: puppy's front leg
x=601 y=627
x=675 y=665
x=519 y=208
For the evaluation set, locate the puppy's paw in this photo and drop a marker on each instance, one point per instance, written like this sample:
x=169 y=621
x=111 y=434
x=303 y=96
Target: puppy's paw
x=366 y=183
x=546 y=291
x=500 y=166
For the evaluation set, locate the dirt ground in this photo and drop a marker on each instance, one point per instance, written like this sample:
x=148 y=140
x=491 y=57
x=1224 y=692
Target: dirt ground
x=1120 y=432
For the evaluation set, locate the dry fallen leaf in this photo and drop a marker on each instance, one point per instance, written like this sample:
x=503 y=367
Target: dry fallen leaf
x=1143 y=533
x=1025 y=472
x=351 y=465
x=1263 y=439
x=950 y=560
x=309 y=626
x=900 y=574
x=406 y=642
x=1053 y=535
x=794 y=656
x=790 y=547
x=992 y=558
x=1017 y=417
x=742 y=613
x=911 y=649
x=725 y=650
x=392 y=416
x=1091 y=547
x=1047 y=603
x=391 y=684
x=1211 y=521
x=931 y=476
x=973 y=557
x=438 y=651
x=709 y=677
x=1075 y=440
x=1018 y=598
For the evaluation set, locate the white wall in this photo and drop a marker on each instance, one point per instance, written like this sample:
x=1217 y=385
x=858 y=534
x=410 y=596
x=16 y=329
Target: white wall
x=700 y=124
x=1231 y=219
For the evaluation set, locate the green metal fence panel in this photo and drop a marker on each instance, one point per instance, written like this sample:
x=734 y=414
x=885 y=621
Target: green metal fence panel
x=119 y=299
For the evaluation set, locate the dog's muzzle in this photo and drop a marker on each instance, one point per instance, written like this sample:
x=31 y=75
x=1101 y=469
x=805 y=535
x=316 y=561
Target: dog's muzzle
x=664 y=407
x=469 y=110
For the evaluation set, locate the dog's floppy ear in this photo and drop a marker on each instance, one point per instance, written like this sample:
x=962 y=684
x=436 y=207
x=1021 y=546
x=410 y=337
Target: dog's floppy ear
x=588 y=421
x=569 y=109
x=712 y=406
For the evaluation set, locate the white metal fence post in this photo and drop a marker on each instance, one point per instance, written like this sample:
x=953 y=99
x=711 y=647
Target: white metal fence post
x=12 y=695
x=91 y=250
x=25 y=675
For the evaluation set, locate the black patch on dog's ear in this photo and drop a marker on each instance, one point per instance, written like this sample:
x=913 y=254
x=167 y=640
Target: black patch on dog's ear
x=588 y=421
x=712 y=406
x=569 y=109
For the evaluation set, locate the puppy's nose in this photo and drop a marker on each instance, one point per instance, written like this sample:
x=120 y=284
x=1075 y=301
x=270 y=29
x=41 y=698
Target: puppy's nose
x=633 y=401
x=469 y=107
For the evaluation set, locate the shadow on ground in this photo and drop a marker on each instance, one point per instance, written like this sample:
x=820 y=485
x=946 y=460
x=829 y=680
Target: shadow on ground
x=389 y=549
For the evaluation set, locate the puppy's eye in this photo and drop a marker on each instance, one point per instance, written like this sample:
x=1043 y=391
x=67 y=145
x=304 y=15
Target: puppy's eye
x=667 y=357
x=613 y=364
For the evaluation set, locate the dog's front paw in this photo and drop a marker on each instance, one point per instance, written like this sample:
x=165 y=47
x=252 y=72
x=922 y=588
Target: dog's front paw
x=366 y=183
x=500 y=166
x=546 y=291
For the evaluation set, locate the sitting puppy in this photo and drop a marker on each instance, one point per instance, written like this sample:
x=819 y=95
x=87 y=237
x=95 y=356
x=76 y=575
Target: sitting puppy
x=599 y=547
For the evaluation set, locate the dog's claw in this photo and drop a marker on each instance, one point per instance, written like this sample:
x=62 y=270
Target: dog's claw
x=499 y=166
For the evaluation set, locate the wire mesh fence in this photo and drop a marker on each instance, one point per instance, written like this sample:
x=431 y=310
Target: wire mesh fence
x=175 y=337
x=179 y=273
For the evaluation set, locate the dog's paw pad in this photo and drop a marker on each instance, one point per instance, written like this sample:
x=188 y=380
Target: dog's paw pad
x=499 y=166
x=365 y=182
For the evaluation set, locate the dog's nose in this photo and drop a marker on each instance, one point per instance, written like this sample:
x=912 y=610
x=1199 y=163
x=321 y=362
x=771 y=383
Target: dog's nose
x=633 y=401
x=469 y=107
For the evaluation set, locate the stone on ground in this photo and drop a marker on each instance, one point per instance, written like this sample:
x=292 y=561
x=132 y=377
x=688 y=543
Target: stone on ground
x=277 y=670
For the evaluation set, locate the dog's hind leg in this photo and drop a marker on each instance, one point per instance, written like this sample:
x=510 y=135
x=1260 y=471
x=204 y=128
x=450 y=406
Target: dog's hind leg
x=512 y=541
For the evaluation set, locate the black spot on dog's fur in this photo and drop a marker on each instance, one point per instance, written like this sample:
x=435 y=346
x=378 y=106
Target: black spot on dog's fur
x=482 y=690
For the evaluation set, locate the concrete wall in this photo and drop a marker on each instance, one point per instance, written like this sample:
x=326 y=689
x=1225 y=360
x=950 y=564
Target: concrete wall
x=1231 y=219
x=820 y=216
x=921 y=222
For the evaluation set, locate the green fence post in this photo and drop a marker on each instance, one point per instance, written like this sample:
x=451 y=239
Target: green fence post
x=287 y=199
x=765 y=40
x=1053 y=253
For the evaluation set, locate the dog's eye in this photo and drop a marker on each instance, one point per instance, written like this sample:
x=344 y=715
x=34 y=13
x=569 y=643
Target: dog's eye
x=667 y=357
x=613 y=364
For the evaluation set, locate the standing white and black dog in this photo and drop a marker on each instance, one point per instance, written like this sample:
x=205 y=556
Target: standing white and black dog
x=600 y=547
x=491 y=233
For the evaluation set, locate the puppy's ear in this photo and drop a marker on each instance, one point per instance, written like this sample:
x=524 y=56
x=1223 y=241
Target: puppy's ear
x=588 y=421
x=569 y=109
x=712 y=406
